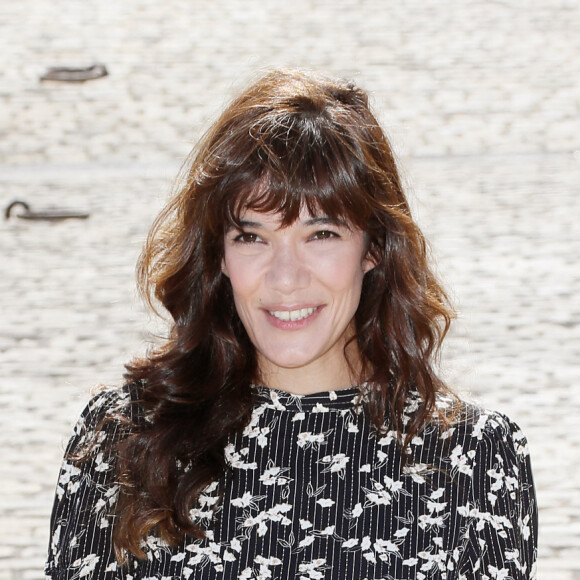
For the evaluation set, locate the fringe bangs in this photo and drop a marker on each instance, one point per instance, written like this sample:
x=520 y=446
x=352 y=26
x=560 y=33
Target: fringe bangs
x=287 y=172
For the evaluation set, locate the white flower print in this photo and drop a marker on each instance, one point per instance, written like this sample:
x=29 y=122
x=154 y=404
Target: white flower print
x=274 y=514
x=353 y=514
x=501 y=480
x=382 y=458
x=247 y=500
x=235 y=458
x=388 y=439
x=198 y=515
x=418 y=472
x=325 y=502
x=337 y=463
x=307 y=541
x=384 y=549
x=411 y=562
x=153 y=546
x=447 y=433
x=498 y=574
x=69 y=473
x=309 y=439
x=100 y=464
x=401 y=533
x=521 y=444
x=480 y=426
x=524 y=526
x=204 y=554
x=274 y=475
x=276 y=401
x=236 y=545
x=383 y=493
x=351 y=543
x=86 y=565
x=328 y=531
x=429 y=521
x=314 y=569
x=259 y=433
x=394 y=486
x=264 y=571
x=462 y=462
x=296 y=486
x=434 y=559
x=498 y=522
x=435 y=506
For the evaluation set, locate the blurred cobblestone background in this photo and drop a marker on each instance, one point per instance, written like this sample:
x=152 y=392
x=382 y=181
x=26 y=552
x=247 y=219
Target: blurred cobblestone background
x=482 y=102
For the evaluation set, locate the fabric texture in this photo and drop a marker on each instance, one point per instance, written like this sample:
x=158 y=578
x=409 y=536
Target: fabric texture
x=316 y=494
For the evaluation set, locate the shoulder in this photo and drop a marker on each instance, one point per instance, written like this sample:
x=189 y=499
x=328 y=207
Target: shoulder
x=88 y=467
x=489 y=449
x=116 y=402
x=106 y=402
x=463 y=424
x=489 y=459
x=470 y=437
x=484 y=427
x=87 y=488
x=109 y=411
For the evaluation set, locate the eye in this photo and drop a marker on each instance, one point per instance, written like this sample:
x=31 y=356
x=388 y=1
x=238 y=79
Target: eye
x=325 y=235
x=246 y=238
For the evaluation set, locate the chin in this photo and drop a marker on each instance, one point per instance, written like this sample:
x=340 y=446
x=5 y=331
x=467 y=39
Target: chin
x=289 y=360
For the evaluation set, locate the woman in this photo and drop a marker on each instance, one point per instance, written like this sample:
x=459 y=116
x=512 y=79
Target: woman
x=293 y=424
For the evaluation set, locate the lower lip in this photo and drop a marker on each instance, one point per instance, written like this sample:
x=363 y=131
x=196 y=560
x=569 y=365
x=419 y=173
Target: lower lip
x=293 y=324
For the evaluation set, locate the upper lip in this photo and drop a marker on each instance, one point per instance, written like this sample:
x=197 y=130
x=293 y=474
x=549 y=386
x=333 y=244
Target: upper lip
x=282 y=308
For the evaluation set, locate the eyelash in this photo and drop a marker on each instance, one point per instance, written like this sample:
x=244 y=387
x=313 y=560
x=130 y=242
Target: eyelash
x=251 y=238
x=242 y=238
x=325 y=235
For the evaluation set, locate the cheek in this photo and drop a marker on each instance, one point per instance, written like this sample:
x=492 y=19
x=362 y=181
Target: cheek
x=242 y=278
x=342 y=275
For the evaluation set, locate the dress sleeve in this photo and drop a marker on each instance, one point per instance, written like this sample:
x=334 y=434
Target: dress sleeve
x=81 y=544
x=502 y=511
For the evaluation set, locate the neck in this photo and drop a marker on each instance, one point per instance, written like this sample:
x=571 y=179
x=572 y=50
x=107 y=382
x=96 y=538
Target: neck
x=327 y=375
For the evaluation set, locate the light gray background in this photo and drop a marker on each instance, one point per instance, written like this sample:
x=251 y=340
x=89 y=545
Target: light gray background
x=481 y=100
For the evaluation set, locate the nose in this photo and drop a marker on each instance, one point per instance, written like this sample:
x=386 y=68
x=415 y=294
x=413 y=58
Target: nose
x=287 y=272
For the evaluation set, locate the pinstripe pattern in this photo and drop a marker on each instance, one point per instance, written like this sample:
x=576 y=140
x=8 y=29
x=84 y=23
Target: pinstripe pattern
x=316 y=494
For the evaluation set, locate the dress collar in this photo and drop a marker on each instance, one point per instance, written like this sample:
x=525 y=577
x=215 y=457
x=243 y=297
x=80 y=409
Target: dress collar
x=324 y=400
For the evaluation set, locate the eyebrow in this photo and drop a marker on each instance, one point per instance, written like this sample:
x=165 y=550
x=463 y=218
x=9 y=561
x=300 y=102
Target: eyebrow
x=316 y=221
x=324 y=220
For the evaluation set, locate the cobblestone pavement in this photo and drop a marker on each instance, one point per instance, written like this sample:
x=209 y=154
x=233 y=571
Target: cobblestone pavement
x=482 y=102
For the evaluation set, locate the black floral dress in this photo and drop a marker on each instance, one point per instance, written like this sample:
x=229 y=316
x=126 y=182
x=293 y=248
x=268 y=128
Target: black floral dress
x=317 y=494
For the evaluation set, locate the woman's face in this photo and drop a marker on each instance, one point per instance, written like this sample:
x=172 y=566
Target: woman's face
x=296 y=291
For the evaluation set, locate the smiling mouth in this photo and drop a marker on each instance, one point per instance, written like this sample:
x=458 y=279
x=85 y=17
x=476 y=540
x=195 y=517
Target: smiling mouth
x=292 y=315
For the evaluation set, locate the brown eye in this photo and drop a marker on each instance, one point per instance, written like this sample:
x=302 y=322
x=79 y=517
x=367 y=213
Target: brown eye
x=246 y=238
x=325 y=235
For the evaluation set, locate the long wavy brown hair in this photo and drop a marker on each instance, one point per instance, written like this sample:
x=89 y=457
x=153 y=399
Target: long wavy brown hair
x=291 y=140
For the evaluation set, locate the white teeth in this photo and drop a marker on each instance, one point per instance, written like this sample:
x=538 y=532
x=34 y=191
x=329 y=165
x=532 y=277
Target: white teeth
x=292 y=315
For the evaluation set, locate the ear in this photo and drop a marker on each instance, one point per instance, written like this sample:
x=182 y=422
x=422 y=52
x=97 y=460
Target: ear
x=368 y=263
x=224 y=268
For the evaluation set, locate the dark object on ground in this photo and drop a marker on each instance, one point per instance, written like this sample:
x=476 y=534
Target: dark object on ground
x=49 y=214
x=75 y=75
